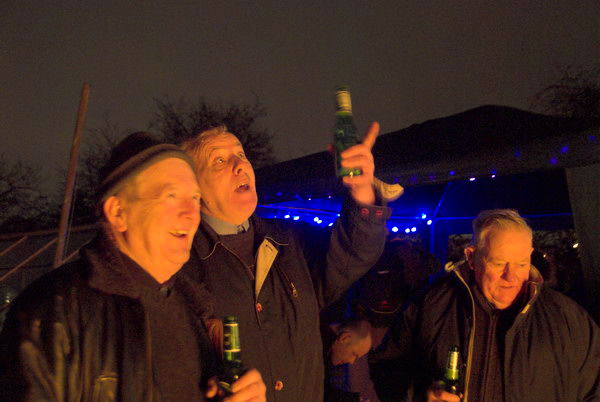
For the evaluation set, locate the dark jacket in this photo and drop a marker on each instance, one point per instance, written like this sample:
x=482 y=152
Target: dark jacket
x=551 y=350
x=278 y=307
x=77 y=334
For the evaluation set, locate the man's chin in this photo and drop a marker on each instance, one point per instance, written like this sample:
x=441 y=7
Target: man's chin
x=504 y=301
x=180 y=257
x=244 y=212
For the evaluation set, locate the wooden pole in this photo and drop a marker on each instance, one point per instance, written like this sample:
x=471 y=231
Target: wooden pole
x=70 y=185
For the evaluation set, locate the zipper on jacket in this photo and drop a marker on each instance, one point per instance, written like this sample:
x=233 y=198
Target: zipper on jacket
x=294 y=291
x=292 y=286
x=471 y=341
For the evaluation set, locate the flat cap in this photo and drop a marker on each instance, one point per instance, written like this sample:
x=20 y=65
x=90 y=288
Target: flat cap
x=132 y=155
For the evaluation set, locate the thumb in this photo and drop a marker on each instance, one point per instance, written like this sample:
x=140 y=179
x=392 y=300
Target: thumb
x=371 y=135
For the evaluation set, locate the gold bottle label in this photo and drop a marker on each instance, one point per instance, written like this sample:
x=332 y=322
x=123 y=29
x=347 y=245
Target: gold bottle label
x=344 y=104
x=452 y=366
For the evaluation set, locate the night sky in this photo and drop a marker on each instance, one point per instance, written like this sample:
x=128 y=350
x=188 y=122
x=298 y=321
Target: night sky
x=405 y=61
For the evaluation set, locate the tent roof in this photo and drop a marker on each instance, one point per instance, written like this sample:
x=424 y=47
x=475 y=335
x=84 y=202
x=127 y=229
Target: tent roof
x=482 y=141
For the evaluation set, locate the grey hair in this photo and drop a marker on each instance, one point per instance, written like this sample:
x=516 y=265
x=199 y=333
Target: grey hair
x=193 y=146
x=496 y=219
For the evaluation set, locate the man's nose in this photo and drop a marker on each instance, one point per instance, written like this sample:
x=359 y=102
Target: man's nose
x=510 y=272
x=239 y=165
x=190 y=207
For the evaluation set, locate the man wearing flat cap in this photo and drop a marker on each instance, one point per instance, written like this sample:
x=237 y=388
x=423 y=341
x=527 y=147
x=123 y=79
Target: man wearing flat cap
x=118 y=324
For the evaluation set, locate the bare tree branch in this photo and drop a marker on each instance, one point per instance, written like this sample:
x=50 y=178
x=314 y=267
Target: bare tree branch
x=576 y=94
x=22 y=204
x=180 y=120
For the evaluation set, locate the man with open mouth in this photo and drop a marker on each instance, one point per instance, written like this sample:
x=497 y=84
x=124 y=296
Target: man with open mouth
x=271 y=275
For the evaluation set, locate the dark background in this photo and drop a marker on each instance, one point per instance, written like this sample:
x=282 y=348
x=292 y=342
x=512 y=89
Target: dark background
x=405 y=62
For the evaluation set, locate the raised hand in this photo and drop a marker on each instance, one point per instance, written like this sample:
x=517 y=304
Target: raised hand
x=360 y=156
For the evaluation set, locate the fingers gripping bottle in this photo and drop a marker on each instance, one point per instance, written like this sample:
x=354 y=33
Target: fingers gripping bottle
x=345 y=133
x=232 y=354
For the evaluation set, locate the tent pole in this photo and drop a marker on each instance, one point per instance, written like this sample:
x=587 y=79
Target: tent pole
x=72 y=172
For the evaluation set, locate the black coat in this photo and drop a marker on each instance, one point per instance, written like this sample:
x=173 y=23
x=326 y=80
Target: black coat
x=279 y=323
x=80 y=334
x=551 y=350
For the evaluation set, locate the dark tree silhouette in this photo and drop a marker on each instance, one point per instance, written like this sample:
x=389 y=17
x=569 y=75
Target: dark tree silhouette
x=23 y=207
x=576 y=94
x=180 y=120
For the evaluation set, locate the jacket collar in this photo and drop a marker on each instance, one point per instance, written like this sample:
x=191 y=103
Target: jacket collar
x=207 y=239
x=107 y=269
x=224 y=228
x=108 y=273
x=271 y=231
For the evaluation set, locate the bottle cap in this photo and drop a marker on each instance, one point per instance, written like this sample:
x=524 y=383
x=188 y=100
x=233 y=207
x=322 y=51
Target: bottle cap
x=342 y=97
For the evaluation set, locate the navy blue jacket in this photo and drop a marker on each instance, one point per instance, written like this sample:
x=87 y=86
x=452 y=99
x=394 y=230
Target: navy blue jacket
x=278 y=307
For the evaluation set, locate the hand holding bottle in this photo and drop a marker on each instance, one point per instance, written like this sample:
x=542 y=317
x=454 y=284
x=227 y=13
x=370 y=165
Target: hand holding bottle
x=360 y=156
x=448 y=389
x=438 y=394
x=249 y=387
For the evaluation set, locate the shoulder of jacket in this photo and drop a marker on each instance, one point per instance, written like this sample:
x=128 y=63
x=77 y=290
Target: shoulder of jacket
x=437 y=293
x=66 y=276
x=280 y=231
x=62 y=283
x=555 y=304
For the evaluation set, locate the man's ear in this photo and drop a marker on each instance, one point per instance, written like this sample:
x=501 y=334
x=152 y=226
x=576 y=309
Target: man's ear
x=113 y=211
x=470 y=256
x=344 y=337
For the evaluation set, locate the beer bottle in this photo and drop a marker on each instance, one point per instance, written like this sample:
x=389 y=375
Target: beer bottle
x=232 y=359
x=451 y=371
x=345 y=133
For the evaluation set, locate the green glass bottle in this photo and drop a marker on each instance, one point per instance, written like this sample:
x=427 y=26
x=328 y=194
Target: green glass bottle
x=452 y=371
x=232 y=354
x=345 y=133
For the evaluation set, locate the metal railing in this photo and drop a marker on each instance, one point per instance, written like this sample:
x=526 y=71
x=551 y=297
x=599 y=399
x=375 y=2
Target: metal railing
x=22 y=238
